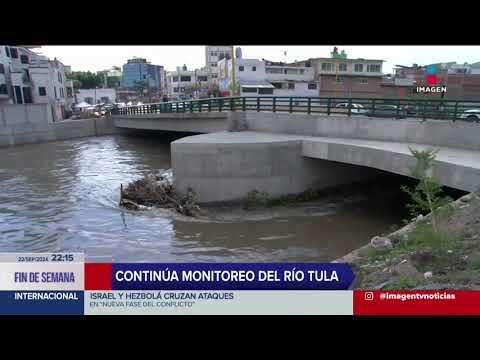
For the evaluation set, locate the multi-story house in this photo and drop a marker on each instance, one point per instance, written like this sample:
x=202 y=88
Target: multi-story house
x=30 y=78
x=186 y=84
x=213 y=54
x=338 y=76
x=462 y=81
x=255 y=77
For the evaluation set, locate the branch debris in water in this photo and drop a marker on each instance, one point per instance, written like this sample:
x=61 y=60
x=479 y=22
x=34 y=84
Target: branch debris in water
x=157 y=190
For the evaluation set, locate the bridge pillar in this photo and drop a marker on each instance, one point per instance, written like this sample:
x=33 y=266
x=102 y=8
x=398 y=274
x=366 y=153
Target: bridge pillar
x=227 y=166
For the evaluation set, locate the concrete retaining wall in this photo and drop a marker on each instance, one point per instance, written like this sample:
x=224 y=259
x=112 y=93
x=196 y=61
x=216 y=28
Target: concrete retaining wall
x=459 y=134
x=220 y=168
x=18 y=133
x=181 y=122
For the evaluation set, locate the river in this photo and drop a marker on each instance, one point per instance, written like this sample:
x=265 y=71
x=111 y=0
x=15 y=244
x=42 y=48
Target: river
x=63 y=196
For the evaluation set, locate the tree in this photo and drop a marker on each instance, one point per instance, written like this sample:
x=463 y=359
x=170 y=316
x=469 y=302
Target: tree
x=427 y=195
x=113 y=81
x=85 y=79
x=232 y=89
x=140 y=87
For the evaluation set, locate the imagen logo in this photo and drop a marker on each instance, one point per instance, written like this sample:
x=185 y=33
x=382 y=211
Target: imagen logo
x=432 y=81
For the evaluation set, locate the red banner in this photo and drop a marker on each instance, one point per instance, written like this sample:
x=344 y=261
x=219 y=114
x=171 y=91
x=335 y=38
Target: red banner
x=416 y=302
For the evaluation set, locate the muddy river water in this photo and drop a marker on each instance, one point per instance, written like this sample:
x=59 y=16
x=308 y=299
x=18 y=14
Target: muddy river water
x=63 y=196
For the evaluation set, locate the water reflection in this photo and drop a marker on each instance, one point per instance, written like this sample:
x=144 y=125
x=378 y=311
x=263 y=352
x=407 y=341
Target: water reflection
x=64 y=196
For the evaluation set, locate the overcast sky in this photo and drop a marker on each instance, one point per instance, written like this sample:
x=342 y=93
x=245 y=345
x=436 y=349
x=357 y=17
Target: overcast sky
x=95 y=58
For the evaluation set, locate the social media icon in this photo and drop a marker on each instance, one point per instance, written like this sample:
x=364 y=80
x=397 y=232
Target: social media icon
x=369 y=296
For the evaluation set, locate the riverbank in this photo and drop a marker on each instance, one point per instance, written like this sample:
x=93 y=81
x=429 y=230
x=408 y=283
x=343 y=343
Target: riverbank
x=33 y=130
x=414 y=258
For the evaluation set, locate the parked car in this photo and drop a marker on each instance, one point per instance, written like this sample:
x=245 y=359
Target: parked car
x=471 y=115
x=355 y=108
x=410 y=109
x=387 y=111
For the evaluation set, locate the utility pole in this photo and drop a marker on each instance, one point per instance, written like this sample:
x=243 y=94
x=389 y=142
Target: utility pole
x=234 y=86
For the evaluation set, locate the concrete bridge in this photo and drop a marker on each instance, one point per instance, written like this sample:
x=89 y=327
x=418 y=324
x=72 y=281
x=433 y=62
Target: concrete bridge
x=284 y=153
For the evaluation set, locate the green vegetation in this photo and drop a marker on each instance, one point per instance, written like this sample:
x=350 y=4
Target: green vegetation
x=427 y=195
x=256 y=198
x=402 y=283
x=140 y=87
x=85 y=79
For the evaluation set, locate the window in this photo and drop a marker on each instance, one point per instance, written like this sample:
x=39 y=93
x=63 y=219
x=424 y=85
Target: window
x=291 y=85
x=342 y=67
x=27 y=95
x=42 y=91
x=18 y=94
x=3 y=89
x=265 y=91
x=174 y=78
x=277 y=85
x=327 y=66
x=105 y=99
x=14 y=53
x=249 y=89
x=182 y=89
x=175 y=90
x=24 y=59
x=26 y=75
x=213 y=64
x=202 y=78
x=69 y=92
x=59 y=77
x=7 y=51
x=312 y=86
x=213 y=53
x=241 y=68
x=62 y=94
x=363 y=81
x=339 y=80
x=373 y=68
x=55 y=91
x=302 y=71
x=185 y=78
x=144 y=76
x=2 y=69
x=254 y=68
x=358 y=68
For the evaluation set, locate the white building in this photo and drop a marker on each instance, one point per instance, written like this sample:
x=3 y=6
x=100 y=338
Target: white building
x=186 y=84
x=96 y=96
x=213 y=54
x=255 y=77
x=33 y=78
x=466 y=68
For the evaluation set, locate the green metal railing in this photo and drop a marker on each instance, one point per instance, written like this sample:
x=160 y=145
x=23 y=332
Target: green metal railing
x=373 y=107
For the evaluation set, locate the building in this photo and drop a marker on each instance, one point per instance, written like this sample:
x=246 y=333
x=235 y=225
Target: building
x=181 y=83
x=213 y=54
x=32 y=78
x=339 y=76
x=255 y=77
x=111 y=77
x=139 y=70
x=97 y=96
x=462 y=81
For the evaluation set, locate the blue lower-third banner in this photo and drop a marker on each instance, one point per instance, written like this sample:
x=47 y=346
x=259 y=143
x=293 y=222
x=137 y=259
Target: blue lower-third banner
x=41 y=302
x=231 y=276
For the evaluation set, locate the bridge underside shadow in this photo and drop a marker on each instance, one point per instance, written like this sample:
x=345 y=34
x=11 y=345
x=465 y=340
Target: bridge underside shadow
x=226 y=166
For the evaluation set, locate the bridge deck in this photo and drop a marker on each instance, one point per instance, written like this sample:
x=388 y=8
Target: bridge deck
x=457 y=168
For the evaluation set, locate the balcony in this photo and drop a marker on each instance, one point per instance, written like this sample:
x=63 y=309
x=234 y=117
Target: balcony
x=278 y=73
x=398 y=81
